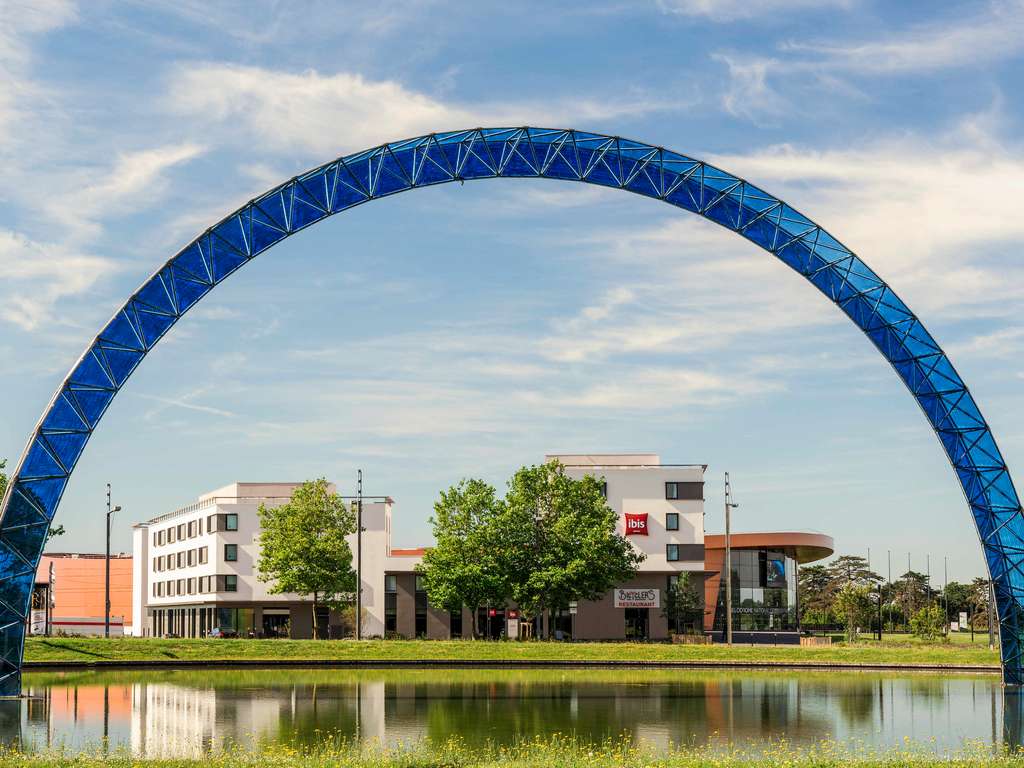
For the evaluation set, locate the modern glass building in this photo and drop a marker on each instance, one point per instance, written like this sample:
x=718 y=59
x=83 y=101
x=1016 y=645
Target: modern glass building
x=765 y=570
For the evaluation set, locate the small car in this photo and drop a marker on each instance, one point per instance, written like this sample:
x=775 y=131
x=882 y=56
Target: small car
x=223 y=632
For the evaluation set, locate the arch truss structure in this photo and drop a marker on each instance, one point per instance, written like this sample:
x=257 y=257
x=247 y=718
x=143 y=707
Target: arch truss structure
x=76 y=409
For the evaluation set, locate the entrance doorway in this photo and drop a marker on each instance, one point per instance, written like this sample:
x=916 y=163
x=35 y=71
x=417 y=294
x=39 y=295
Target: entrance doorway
x=276 y=623
x=637 y=624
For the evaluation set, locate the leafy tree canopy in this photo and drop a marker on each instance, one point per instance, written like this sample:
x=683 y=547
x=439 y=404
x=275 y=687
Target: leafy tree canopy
x=462 y=568
x=561 y=542
x=851 y=569
x=683 y=605
x=303 y=548
x=853 y=605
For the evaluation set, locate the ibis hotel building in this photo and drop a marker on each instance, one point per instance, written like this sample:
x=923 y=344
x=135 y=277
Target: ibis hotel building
x=195 y=569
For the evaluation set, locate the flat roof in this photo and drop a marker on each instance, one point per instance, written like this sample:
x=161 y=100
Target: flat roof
x=808 y=547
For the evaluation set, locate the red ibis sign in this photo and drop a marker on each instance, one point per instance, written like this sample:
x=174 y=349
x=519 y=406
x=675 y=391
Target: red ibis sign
x=636 y=524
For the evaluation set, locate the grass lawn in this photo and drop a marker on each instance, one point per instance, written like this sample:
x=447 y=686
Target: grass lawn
x=903 y=651
x=556 y=753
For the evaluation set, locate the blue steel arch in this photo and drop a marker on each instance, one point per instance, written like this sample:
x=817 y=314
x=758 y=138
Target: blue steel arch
x=81 y=400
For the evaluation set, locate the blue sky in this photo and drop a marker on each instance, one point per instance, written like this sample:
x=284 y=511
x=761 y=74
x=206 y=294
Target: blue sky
x=469 y=330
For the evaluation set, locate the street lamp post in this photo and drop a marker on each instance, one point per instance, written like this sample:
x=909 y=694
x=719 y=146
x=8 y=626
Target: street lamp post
x=106 y=616
x=729 y=506
x=359 y=557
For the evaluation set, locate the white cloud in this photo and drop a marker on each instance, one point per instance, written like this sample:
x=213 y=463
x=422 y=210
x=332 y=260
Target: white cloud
x=331 y=113
x=929 y=215
x=763 y=87
x=20 y=22
x=996 y=33
x=732 y=10
x=35 y=276
x=134 y=181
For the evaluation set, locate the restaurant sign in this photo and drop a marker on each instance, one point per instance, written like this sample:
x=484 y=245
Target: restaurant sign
x=637 y=598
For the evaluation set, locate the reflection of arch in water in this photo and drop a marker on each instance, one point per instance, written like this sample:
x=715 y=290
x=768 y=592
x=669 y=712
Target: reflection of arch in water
x=80 y=402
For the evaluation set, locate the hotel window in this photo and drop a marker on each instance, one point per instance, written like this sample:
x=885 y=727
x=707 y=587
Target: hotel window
x=191 y=558
x=199 y=522
x=171 y=536
x=192 y=529
x=156 y=589
x=390 y=603
x=156 y=563
x=181 y=559
x=230 y=553
x=604 y=488
x=202 y=555
x=181 y=586
x=231 y=522
x=672 y=552
x=672 y=521
x=211 y=523
x=692 y=491
x=191 y=586
x=156 y=538
x=181 y=532
x=170 y=589
x=230 y=583
x=421 y=608
x=169 y=561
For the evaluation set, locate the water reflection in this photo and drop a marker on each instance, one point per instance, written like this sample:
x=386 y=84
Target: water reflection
x=187 y=713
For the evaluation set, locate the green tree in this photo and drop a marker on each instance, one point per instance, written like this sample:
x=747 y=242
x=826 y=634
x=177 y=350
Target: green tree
x=854 y=606
x=683 y=605
x=911 y=592
x=559 y=540
x=957 y=598
x=817 y=592
x=461 y=568
x=303 y=548
x=928 y=622
x=852 y=569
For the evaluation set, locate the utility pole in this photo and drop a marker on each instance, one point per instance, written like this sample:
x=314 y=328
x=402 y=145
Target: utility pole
x=106 y=615
x=359 y=556
x=945 y=591
x=50 y=603
x=729 y=506
x=991 y=617
x=888 y=555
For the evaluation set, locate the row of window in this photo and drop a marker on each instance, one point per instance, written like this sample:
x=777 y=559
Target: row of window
x=201 y=585
x=674 y=491
x=193 y=528
x=191 y=557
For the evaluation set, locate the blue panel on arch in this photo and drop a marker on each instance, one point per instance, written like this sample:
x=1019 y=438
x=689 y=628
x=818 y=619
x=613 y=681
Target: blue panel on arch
x=44 y=493
x=92 y=402
x=66 y=446
x=193 y=262
x=39 y=463
x=154 y=294
x=122 y=362
x=27 y=541
x=233 y=233
x=62 y=415
x=14 y=590
x=120 y=331
x=21 y=512
x=153 y=325
x=188 y=292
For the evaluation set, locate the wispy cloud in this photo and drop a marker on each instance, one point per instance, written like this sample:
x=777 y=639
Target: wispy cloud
x=332 y=113
x=185 y=402
x=733 y=10
x=35 y=276
x=765 y=86
x=995 y=33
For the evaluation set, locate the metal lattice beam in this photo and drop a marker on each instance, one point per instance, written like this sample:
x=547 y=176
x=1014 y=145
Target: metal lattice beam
x=82 y=399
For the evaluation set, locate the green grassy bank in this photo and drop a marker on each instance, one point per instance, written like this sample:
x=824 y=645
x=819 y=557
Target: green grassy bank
x=904 y=651
x=554 y=753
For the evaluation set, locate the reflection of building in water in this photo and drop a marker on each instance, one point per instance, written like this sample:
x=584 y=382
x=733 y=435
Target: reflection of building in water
x=217 y=711
x=178 y=721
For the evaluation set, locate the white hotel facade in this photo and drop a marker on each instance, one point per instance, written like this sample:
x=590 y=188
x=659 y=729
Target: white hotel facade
x=195 y=569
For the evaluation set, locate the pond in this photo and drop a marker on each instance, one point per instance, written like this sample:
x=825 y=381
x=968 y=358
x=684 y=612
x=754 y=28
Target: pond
x=184 y=713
